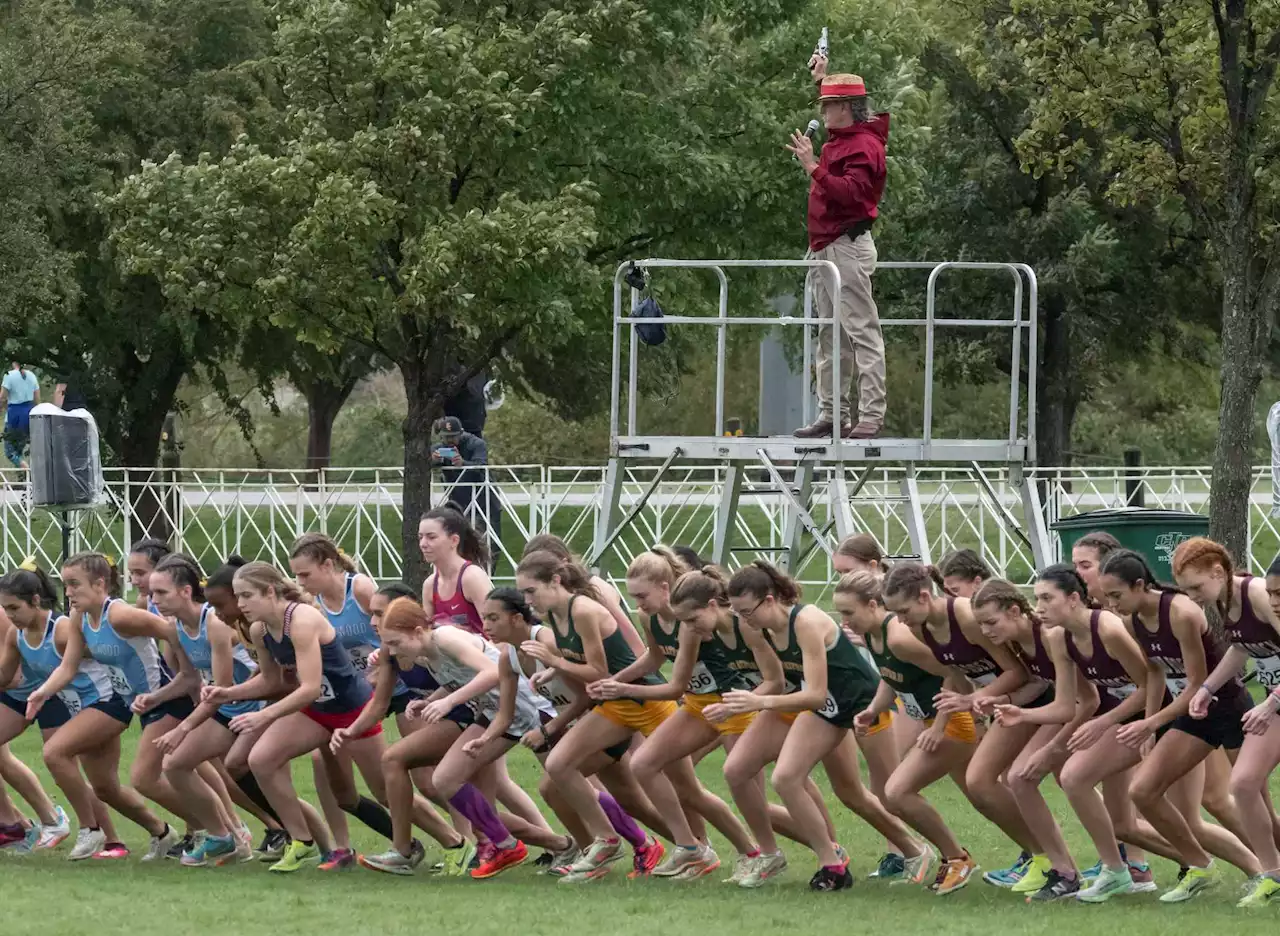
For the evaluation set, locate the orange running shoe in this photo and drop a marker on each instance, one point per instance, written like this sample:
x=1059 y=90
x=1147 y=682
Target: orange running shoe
x=647 y=858
x=503 y=858
x=958 y=872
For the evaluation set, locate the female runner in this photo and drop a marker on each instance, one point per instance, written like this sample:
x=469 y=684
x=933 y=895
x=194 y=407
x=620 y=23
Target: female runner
x=1109 y=658
x=32 y=636
x=219 y=591
x=610 y=596
x=343 y=596
x=465 y=666
x=1247 y=608
x=908 y=671
x=963 y=573
x=123 y=639
x=292 y=636
x=1181 y=650
x=883 y=743
x=509 y=619
x=175 y=587
x=947 y=626
x=650 y=580
x=591 y=648
x=459 y=556
x=835 y=684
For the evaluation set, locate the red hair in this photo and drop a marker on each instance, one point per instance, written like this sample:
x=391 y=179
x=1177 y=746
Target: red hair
x=405 y=615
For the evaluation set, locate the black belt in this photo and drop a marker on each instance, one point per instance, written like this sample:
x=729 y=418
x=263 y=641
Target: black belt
x=860 y=228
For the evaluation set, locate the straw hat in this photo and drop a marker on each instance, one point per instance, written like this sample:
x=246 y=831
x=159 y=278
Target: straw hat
x=841 y=88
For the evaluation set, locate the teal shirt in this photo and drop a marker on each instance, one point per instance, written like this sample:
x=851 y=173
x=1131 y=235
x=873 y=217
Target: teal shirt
x=21 y=386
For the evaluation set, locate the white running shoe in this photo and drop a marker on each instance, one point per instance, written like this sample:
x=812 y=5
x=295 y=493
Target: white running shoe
x=762 y=868
x=160 y=844
x=88 y=843
x=54 y=835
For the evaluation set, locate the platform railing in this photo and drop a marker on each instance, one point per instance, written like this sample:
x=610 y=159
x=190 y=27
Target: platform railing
x=1023 y=319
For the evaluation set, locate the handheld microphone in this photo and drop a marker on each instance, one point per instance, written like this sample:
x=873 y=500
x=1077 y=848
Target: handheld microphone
x=812 y=129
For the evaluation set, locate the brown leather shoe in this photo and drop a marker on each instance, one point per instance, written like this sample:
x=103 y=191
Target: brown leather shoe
x=818 y=429
x=863 y=430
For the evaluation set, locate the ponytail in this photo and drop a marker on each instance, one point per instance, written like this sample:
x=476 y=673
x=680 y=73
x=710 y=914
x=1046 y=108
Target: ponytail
x=701 y=587
x=658 y=564
x=546 y=568
x=1131 y=568
x=320 y=549
x=30 y=584
x=760 y=580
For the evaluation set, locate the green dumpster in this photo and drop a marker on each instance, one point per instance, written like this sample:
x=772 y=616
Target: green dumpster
x=1154 y=533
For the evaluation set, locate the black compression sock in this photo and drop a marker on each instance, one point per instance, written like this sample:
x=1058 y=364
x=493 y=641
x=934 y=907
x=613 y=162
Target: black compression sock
x=248 y=785
x=372 y=814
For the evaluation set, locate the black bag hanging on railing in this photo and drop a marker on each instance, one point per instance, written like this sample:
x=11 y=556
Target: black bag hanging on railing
x=651 y=334
x=66 y=468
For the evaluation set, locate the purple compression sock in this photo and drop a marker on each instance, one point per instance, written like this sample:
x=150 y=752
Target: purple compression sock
x=623 y=824
x=471 y=803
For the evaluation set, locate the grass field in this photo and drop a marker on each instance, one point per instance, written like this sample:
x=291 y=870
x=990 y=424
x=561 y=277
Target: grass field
x=43 y=894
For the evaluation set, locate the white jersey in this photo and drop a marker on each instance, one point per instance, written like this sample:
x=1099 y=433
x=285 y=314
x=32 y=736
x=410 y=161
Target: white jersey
x=453 y=675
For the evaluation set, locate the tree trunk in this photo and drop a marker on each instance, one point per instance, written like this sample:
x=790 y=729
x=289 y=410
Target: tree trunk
x=324 y=402
x=1058 y=395
x=424 y=407
x=1244 y=330
x=148 y=399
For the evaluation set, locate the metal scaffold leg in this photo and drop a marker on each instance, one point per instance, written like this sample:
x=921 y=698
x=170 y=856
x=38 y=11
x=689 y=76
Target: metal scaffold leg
x=916 y=529
x=606 y=533
x=799 y=519
x=1033 y=518
x=727 y=514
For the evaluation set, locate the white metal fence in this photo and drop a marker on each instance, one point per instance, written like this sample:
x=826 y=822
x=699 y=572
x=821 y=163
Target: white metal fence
x=257 y=514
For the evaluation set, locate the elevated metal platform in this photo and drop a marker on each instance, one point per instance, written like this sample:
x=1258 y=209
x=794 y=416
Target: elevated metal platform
x=797 y=458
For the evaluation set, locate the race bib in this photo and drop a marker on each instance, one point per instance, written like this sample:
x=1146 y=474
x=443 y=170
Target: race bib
x=71 y=700
x=701 y=682
x=829 y=708
x=912 y=706
x=360 y=657
x=1268 y=671
x=751 y=678
x=206 y=676
x=326 y=690
x=119 y=682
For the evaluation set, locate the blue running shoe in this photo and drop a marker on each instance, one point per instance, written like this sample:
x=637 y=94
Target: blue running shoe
x=1007 y=877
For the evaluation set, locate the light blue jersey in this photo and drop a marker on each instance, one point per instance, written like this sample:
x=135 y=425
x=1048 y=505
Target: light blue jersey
x=90 y=685
x=355 y=631
x=133 y=663
x=200 y=653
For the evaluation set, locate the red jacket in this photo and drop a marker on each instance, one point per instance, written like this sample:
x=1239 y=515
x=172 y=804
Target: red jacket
x=849 y=180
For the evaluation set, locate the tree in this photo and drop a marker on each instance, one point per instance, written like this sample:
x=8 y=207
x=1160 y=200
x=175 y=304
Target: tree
x=327 y=380
x=1112 y=278
x=458 y=180
x=1175 y=99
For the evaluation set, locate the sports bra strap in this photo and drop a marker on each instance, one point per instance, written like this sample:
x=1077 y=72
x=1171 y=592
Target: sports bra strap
x=288 y=617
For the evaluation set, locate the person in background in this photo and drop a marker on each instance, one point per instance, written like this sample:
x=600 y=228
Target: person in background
x=19 y=391
x=469 y=406
x=461 y=456
x=846 y=184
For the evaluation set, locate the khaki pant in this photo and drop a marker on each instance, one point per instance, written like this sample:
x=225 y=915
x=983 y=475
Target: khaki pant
x=862 y=343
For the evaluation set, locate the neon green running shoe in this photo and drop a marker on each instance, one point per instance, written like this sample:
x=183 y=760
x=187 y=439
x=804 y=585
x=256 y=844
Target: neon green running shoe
x=1265 y=890
x=295 y=856
x=458 y=860
x=1036 y=876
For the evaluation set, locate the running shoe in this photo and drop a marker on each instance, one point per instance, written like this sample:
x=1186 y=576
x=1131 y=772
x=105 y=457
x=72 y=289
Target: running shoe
x=1107 y=884
x=1007 y=877
x=920 y=868
x=594 y=862
x=503 y=858
x=390 y=861
x=741 y=868
x=162 y=844
x=1091 y=873
x=763 y=867
x=12 y=834
x=646 y=858
x=544 y=861
x=892 y=866
x=112 y=851
x=190 y=842
x=54 y=835
x=1056 y=886
x=30 y=838
x=831 y=879
x=458 y=860
x=242 y=855
x=1264 y=890
x=274 y=842
x=295 y=856
x=88 y=843
x=688 y=863
x=562 y=862
x=956 y=874
x=1192 y=883
x=484 y=852
x=1035 y=877
x=214 y=849
x=338 y=860
x=1144 y=882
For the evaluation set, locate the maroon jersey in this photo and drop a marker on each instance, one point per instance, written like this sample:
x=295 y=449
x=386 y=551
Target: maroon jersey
x=1102 y=669
x=1039 y=664
x=1161 y=646
x=968 y=658
x=1257 y=637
